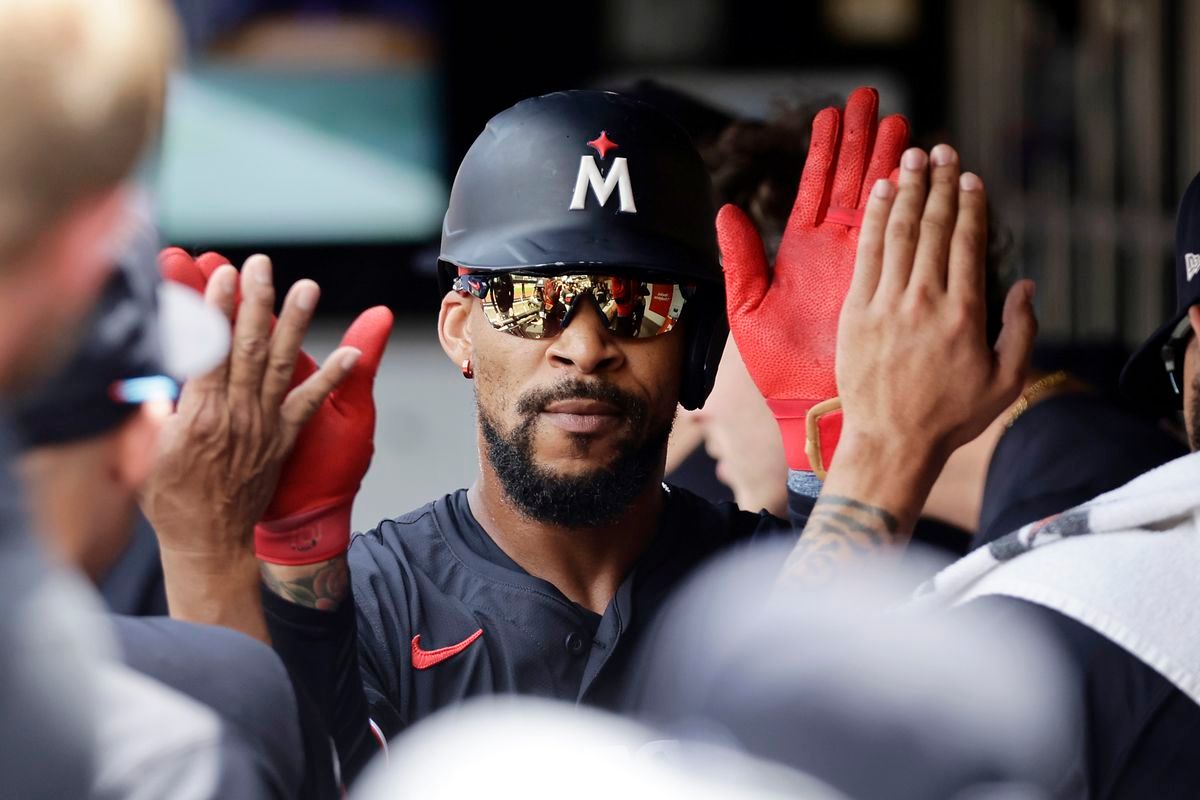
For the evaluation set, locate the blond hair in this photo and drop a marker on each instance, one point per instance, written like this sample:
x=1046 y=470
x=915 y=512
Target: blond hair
x=82 y=86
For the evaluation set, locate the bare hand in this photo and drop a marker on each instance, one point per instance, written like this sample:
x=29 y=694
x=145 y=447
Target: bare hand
x=222 y=451
x=915 y=371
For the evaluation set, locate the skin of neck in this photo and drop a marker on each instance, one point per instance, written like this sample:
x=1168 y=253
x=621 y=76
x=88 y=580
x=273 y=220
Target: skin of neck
x=80 y=503
x=587 y=565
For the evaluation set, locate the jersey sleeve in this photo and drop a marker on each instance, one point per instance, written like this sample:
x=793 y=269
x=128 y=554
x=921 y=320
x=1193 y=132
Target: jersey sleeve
x=342 y=661
x=320 y=651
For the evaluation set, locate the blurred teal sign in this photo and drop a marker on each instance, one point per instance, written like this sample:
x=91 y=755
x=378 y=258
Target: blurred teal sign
x=252 y=157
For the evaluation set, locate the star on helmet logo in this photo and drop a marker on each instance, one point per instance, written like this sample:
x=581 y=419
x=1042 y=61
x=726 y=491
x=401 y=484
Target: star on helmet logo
x=602 y=144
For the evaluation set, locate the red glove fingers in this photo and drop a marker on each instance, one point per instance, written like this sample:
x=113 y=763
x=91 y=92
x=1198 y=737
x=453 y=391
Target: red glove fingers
x=308 y=520
x=177 y=266
x=784 y=320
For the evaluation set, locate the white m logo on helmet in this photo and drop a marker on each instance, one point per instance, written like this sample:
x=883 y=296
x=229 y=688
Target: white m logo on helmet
x=602 y=186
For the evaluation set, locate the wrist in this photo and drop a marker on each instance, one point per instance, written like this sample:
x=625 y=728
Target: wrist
x=230 y=566
x=879 y=469
x=308 y=537
x=810 y=431
x=215 y=591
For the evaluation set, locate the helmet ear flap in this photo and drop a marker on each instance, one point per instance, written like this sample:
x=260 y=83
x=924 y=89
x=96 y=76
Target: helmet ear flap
x=707 y=328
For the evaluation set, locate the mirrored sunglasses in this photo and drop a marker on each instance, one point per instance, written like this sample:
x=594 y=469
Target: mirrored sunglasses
x=540 y=306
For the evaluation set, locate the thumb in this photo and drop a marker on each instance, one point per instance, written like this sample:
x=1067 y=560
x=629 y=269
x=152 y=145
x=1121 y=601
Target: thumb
x=744 y=260
x=1014 y=346
x=369 y=335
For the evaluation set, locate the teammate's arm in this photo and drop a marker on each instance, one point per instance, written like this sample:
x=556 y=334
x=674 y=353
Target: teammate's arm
x=224 y=448
x=302 y=536
x=298 y=490
x=915 y=373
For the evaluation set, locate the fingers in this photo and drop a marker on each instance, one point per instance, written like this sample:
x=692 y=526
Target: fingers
x=303 y=401
x=904 y=224
x=868 y=264
x=938 y=221
x=968 y=246
x=208 y=263
x=252 y=331
x=813 y=195
x=890 y=141
x=286 y=340
x=177 y=266
x=1014 y=346
x=221 y=290
x=369 y=335
x=745 y=261
x=219 y=293
x=858 y=134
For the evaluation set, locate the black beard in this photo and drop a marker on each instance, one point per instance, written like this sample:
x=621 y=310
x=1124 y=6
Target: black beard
x=592 y=499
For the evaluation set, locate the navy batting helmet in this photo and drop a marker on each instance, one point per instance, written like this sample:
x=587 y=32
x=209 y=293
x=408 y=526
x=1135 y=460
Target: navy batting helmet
x=589 y=182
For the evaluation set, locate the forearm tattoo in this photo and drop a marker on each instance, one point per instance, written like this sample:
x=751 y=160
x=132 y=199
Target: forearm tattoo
x=323 y=589
x=839 y=530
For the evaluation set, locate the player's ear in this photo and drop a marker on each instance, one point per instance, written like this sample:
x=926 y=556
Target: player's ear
x=454 y=330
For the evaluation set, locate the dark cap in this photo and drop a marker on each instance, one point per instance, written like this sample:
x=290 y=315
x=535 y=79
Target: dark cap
x=582 y=181
x=142 y=337
x=1145 y=378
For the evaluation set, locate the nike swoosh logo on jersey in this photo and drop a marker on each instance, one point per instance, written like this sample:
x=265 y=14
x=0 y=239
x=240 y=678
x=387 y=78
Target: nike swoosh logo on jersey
x=424 y=659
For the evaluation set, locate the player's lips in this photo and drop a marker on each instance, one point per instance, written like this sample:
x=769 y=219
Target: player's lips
x=582 y=416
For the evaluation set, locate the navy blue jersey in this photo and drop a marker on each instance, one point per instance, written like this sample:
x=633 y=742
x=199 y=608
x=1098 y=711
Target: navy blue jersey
x=440 y=614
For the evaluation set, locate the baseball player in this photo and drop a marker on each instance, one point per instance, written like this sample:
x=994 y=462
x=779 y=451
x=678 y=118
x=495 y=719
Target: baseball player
x=542 y=576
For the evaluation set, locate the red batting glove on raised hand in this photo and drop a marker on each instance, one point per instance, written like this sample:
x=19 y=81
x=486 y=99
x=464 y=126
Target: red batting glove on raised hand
x=308 y=520
x=785 y=319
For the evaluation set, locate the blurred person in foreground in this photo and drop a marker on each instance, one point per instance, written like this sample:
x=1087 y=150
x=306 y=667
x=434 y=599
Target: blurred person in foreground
x=85 y=80
x=90 y=435
x=84 y=83
x=543 y=576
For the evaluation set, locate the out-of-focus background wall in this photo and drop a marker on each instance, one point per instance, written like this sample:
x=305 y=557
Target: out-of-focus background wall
x=326 y=133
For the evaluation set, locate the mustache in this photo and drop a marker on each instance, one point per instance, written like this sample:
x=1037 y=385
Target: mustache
x=536 y=400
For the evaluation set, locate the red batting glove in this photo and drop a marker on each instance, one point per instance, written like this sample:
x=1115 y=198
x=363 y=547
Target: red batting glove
x=308 y=520
x=177 y=265
x=785 y=319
